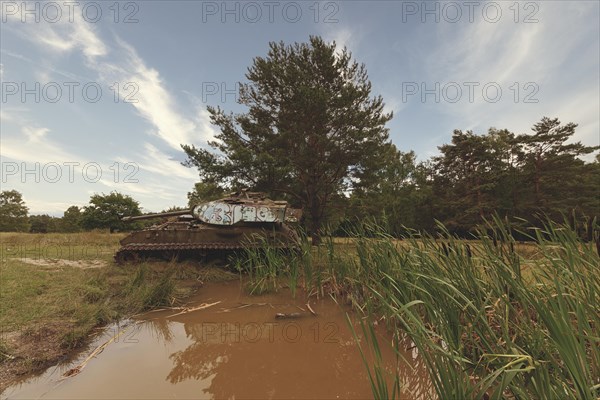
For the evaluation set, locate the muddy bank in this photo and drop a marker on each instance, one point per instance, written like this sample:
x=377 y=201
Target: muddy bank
x=33 y=350
x=52 y=307
x=227 y=344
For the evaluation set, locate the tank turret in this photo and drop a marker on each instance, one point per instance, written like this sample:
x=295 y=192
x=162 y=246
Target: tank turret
x=241 y=220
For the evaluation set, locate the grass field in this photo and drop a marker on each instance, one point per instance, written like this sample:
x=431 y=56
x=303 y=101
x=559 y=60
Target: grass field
x=56 y=289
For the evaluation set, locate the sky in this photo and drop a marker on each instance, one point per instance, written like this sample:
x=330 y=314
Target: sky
x=99 y=96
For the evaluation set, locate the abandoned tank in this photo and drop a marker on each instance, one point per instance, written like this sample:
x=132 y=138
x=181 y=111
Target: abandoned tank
x=216 y=228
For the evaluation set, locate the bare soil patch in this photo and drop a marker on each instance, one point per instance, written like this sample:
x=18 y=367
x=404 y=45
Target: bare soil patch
x=56 y=263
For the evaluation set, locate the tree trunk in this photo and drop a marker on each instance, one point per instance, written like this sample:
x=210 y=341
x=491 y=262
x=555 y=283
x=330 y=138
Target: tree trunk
x=537 y=178
x=514 y=195
x=479 y=201
x=316 y=238
x=315 y=222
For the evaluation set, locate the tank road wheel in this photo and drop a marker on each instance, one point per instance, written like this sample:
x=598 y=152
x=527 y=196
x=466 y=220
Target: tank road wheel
x=127 y=256
x=170 y=255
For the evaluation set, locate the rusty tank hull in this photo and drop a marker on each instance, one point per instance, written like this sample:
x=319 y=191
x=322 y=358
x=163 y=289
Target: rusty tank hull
x=214 y=229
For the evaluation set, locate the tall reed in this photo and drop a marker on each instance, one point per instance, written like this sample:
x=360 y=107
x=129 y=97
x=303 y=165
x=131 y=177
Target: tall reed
x=487 y=321
x=266 y=265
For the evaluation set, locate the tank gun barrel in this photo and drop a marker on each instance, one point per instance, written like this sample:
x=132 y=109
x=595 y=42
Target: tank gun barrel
x=157 y=215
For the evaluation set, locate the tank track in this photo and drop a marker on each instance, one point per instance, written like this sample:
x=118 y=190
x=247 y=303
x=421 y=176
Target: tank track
x=135 y=252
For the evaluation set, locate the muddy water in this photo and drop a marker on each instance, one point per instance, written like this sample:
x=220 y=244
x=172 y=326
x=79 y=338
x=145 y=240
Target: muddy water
x=228 y=344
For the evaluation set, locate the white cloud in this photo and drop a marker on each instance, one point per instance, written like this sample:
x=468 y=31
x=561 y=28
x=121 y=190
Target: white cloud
x=44 y=68
x=5 y=115
x=66 y=36
x=343 y=38
x=507 y=53
x=34 y=146
x=153 y=100
x=54 y=208
x=15 y=55
x=392 y=103
x=155 y=104
x=160 y=178
x=157 y=162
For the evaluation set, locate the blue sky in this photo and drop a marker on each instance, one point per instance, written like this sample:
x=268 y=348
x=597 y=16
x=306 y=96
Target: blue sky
x=98 y=96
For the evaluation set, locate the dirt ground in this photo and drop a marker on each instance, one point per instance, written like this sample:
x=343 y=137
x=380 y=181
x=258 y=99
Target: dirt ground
x=31 y=351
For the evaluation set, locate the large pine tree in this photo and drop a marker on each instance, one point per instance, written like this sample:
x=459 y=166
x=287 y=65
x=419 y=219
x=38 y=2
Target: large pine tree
x=312 y=128
x=553 y=168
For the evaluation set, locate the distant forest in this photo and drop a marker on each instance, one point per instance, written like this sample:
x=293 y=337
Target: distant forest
x=530 y=177
x=526 y=178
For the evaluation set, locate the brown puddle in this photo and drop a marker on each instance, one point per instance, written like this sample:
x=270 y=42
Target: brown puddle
x=237 y=348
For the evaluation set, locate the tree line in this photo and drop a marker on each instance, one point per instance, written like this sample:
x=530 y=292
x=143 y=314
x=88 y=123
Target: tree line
x=522 y=177
x=104 y=211
x=526 y=177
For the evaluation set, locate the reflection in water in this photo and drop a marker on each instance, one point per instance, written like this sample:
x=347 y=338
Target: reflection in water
x=244 y=351
x=237 y=348
x=415 y=385
x=194 y=363
x=160 y=329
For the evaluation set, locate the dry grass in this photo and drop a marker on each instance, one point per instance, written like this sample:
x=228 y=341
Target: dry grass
x=55 y=289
